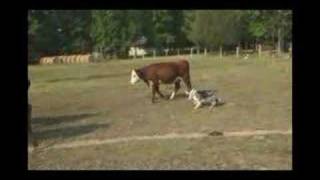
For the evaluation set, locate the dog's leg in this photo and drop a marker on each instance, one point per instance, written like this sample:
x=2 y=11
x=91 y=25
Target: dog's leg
x=197 y=105
x=213 y=104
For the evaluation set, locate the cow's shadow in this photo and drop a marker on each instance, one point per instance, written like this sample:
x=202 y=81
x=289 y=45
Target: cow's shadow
x=62 y=127
x=167 y=97
x=68 y=132
x=101 y=76
x=55 y=120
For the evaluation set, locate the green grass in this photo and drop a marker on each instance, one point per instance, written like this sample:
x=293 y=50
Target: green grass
x=96 y=101
x=242 y=153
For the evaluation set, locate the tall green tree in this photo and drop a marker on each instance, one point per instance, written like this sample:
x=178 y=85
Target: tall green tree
x=170 y=28
x=59 y=31
x=114 y=29
x=75 y=31
x=215 y=28
x=269 y=25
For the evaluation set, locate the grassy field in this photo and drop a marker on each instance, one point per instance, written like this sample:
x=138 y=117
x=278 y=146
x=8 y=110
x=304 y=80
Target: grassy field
x=83 y=102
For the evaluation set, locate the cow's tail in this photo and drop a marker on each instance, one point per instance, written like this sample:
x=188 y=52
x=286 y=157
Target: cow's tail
x=186 y=76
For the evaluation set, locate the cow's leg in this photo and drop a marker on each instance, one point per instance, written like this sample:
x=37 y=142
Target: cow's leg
x=153 y=93
x=186 y=81
x=176 y=88
x=156 y=85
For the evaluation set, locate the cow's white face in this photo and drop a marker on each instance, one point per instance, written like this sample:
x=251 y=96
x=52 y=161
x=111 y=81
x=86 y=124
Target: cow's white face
x=134 y=77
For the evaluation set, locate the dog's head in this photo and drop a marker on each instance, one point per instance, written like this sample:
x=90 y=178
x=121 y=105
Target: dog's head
x=220 y=101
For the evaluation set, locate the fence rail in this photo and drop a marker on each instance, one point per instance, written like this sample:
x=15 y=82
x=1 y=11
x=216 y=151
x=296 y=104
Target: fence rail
x=153 y=53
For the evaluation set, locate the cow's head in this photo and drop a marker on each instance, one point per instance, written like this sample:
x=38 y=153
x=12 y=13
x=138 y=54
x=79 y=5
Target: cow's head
x=134 y=77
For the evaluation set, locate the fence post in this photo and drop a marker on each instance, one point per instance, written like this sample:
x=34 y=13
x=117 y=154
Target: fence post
x=178 y=51
x=191 y=51
x=205 y=51
x=154 y=53
x=220 y=52
x=198 y=50
x=259 y=49
x=279 y=42
x=237 y=51
x=290 y=49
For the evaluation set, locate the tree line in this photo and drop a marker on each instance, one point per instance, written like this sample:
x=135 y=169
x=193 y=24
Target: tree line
x=53 y=32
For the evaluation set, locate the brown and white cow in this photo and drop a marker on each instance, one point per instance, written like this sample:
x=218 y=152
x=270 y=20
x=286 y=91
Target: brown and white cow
x=166 y=73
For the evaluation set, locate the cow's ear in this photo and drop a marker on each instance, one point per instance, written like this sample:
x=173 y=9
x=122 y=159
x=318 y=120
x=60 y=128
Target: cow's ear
x=138 y=72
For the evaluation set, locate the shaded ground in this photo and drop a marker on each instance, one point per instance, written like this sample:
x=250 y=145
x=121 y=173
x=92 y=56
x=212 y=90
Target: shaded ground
x=95 y=101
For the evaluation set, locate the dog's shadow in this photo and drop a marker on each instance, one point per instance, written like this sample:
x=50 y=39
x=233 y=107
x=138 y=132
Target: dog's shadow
x=178 y=96
x=208 y=106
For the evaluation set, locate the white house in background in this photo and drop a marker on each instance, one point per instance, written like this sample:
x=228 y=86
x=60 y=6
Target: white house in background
x=134 y=51
x=96 y=55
